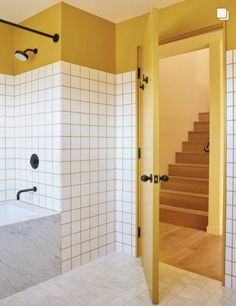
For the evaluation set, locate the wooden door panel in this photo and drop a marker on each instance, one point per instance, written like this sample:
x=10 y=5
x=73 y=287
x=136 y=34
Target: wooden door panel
x=149 y=163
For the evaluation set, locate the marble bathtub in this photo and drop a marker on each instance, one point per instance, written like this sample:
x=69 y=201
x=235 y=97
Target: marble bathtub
x=30 y=246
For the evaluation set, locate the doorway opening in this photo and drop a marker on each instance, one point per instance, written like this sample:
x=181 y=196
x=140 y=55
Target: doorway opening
x=211 y=123
x=190 y=217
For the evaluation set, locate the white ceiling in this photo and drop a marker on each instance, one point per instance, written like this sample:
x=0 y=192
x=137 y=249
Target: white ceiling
x=113 y=10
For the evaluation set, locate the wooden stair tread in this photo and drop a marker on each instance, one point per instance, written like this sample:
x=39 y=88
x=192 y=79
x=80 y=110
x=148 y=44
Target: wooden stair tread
x=200 y=131
x=194 y=142
x=204 y=117
x=184 y=219
x=201 y=122
x=184 y=200
x=192 y=158
x=189 y=170
x=184 y=210
x=189 y=178
x=193 y=146
x=202 y=195
x=192 y=153
x=190 y=165
x=188 y=184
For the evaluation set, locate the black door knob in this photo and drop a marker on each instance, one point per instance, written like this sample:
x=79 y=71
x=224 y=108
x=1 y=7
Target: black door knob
x=145 y=178
x=164 y=178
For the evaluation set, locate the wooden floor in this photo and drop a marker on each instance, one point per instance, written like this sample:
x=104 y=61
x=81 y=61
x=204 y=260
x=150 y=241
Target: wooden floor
x=192 y=250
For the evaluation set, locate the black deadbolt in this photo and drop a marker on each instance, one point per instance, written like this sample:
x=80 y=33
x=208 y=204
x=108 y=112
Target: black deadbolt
x=145 y=178
x=34 y=161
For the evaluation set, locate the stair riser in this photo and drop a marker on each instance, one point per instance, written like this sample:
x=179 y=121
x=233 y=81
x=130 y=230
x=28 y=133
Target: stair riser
x=195 y=158
x=197 y=172
x=183 y=219
x=186 y=185
x=204 y=117
x=201 y=126
x=193 y=147
x=184 y=201
x=198 y=136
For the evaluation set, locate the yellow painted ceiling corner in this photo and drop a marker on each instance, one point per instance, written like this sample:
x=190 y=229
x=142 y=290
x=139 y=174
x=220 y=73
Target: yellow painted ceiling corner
x=87 y=39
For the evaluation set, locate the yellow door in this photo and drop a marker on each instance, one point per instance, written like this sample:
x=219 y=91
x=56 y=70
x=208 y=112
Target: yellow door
x=149 y=131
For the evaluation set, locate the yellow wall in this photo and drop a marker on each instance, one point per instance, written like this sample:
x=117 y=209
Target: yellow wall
x=184 y=92
x=6 y=49
x=174 y=20
x=87 y=40
x=194 y=14
x=48 y=21
x=129 y=35
x=92 y=41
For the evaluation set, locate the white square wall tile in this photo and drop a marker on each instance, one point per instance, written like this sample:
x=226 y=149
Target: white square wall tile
x=65 y=67
x=230 y=85
x=229 y=57
x=229 y=72
x=75 y=70
x=74 y=125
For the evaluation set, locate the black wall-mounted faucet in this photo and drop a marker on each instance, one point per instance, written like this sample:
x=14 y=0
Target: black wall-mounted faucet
x=34 y=189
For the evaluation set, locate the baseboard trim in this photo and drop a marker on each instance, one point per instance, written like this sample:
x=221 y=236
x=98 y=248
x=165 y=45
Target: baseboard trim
x=214 y=231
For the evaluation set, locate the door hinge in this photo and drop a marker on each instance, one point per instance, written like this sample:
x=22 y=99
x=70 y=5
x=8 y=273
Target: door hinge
x=139 y=153
x=142 y=86
x=139 y=232
x=139 y=73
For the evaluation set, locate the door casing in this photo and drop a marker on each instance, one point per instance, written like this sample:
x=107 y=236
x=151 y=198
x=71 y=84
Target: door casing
x=217 y=50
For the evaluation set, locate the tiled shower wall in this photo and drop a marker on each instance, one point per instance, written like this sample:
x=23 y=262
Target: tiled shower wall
x=126 y=163
x=3 y=137
x=88 y=194
x=38 y=117
x=81 y=123
x=98 y=195
x=230 y=263
x=7 y=152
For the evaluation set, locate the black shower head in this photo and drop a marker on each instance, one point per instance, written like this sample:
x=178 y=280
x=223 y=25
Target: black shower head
x=23 y=56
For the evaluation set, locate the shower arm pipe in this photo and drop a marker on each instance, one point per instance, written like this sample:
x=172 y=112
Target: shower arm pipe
x=54 y=37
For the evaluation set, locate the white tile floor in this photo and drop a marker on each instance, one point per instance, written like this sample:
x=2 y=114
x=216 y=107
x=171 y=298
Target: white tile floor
x=119 y=280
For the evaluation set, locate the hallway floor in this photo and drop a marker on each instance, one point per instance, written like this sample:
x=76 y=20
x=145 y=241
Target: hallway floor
x=118 y=280
x=192 y=250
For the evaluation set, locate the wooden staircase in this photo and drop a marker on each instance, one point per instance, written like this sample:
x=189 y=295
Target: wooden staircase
x=184 y=199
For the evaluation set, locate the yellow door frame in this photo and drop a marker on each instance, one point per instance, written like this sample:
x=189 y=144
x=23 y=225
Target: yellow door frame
x=214 y=40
